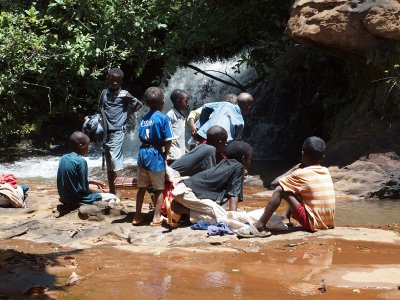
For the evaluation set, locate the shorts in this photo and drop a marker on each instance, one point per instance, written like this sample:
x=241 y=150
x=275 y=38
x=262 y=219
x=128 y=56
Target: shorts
x=114 y=142
x=148 y=179
x=300 y=215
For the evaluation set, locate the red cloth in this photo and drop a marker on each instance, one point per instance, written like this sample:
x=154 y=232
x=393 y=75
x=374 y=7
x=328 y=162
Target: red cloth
x=167 y=194
x=9 y=178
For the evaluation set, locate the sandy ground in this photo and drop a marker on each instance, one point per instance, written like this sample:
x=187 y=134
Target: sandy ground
x=351 y=261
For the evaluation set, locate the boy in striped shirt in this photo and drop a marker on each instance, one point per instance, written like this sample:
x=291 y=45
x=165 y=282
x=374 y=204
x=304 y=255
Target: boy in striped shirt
x=307 y=189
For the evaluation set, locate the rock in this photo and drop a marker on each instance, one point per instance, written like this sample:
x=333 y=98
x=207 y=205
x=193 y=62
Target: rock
x=375 y=175
x=91 y=213
x=345 y=26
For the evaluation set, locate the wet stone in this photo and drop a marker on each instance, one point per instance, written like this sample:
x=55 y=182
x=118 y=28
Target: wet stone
x=91 y=213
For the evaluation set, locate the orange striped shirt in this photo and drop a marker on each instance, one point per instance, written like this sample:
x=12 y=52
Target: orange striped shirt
x=314 y=185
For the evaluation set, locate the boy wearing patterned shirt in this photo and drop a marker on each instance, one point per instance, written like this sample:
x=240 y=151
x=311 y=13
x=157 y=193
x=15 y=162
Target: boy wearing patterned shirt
x=308 y=190
x=155 y=133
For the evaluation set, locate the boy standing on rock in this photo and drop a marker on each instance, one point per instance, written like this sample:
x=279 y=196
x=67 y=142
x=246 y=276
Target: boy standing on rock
x=307 y=189
x=114 y=105
x=155 y=133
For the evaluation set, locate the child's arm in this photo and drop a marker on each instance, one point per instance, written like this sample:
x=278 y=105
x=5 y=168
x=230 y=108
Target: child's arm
x=194 y=115
x=275 y=182
x=167 y=146
x=100 y=186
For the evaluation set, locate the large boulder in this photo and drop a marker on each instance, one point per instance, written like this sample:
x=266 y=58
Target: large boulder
x=359 y=27
x=373 y=176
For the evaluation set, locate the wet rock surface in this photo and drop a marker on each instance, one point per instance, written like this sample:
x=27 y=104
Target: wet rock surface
x=373 y=176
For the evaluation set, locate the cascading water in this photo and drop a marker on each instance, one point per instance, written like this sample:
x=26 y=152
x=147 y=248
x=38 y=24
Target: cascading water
x=202 y=89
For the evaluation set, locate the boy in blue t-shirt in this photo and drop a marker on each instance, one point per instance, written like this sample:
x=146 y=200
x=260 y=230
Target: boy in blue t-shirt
x=155 y=133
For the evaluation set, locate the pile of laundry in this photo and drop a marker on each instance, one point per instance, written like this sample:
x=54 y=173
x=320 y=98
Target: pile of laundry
x=12 y=194
x=241 y=223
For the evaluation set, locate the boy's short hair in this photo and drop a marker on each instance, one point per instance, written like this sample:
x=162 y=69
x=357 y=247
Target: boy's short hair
x=153 y=94
x=177 y=95
x=77 y=138
x=115 y=71
x=314 y=147
x=237 y=150
x=216 y=133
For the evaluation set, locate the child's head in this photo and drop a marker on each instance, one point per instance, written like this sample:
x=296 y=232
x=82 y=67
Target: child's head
x=154 y=98
x=245 y=102
x=79 y=143
x=241 y=151
x=313 y=150
x=217 y=137
x=232 y=98
x=180 y=99
x=114 y=78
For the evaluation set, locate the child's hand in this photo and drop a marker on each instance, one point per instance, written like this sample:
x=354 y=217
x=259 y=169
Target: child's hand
x=100 y=184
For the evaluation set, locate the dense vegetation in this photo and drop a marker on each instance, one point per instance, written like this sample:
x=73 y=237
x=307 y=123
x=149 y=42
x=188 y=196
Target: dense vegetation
x=54 y=54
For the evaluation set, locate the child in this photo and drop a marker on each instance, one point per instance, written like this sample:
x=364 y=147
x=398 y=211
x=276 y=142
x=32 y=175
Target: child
x=308 y=190
x=194 y=120
x=180 y=100
x=155 y=133
x=203 y=156
x=204 y=195
x=227 y=115
x=72 y=175
x=114 y=105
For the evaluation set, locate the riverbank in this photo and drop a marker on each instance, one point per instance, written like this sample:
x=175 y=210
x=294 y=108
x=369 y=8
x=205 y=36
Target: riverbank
x=175 y=264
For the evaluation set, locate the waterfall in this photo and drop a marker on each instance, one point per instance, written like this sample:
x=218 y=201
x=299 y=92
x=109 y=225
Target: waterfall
x=201 y=88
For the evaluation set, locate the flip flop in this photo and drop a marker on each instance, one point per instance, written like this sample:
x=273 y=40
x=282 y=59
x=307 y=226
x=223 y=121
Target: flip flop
x=250 y=231
x=173 y=218
x=138 y=221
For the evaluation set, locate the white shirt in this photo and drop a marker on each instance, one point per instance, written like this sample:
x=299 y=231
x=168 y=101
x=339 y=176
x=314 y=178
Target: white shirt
x=178 y=122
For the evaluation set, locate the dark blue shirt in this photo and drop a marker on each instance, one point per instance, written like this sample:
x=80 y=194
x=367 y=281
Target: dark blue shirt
x=116 y=105
x=72 y=180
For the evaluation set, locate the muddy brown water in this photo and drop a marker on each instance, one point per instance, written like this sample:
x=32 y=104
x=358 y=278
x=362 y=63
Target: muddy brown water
x=275 y=271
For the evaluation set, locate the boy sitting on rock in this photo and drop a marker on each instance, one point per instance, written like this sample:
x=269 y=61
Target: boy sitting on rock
x=72 y=175
x=307 y=189
x=204 y=195
x=203 y=156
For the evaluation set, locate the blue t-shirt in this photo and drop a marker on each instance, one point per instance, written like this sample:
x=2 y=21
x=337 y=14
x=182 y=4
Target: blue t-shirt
x=72 y=180
x=154 y=129
x=224 y=114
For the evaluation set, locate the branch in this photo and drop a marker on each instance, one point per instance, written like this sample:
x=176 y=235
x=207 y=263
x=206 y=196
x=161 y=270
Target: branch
x=237 y=85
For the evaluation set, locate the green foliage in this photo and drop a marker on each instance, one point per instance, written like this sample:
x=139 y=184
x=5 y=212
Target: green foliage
x=54 y=54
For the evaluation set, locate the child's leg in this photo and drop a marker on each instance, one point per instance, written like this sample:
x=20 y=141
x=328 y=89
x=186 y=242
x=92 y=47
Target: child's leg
x=273 y=205
x=157 y=206
x=139 y=203
x=158 y=183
